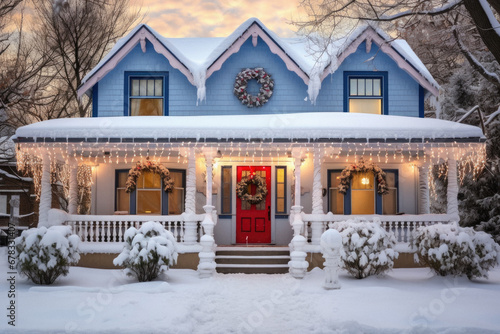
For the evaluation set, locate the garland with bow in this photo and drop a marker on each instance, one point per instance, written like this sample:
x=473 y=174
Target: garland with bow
x=149 y=166
x=362 y=167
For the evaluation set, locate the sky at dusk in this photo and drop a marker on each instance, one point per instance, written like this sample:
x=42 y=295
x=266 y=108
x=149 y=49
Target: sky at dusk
x=217 y=18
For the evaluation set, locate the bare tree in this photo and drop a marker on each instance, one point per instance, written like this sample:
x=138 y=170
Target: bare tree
x=80 y=34
x=6 y=9
x=23 y=70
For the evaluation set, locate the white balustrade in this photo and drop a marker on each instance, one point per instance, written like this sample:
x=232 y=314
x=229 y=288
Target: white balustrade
x=403 y=227
x=111 y=228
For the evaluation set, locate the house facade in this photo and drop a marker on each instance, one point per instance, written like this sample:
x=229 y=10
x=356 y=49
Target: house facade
x=250 y=140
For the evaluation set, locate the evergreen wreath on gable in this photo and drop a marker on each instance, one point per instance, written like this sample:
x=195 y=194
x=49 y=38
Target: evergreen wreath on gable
x=149 y=166
x=265 y=91
x=362 y=167
x=260 y=192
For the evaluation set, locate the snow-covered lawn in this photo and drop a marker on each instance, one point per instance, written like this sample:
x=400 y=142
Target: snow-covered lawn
x=106 y=301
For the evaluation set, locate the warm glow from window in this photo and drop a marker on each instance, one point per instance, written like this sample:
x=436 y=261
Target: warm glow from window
x=366 y=106
x=362 y=194
x=146 y=97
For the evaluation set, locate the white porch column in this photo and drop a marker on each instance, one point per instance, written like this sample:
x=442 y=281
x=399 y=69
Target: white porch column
x=297 y=163
x=45 y=192
x=452 y=192
x=208 y=223
x=297 y=223
x=317 y=198
x=73 y=187
x=190 y=234
x=207 y=265
x=297 y=264
x=423 y=189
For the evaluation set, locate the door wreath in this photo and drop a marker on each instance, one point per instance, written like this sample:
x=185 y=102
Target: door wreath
x=260 y=192
x=149 y=166
x=241 y=84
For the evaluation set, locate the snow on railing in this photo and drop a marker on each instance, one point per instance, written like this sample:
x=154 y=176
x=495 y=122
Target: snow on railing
x=186 y=228
x=402 y=226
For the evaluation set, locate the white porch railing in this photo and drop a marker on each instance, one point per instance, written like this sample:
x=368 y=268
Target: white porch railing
x=402 y=226
x=186 y=228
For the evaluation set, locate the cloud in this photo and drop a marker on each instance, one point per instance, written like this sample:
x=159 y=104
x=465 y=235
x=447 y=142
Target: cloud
x=217 y=18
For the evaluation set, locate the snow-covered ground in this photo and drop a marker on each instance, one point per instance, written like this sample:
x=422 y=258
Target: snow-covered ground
x=106 y=301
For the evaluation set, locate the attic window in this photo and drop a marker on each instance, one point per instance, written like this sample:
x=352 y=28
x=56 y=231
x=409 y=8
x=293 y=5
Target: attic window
x=146 y=96
x=366 y=92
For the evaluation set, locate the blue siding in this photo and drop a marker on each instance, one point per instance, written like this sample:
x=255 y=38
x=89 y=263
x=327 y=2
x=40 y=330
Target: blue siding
x=111 y=87
x=289 y=95
x=403 y=90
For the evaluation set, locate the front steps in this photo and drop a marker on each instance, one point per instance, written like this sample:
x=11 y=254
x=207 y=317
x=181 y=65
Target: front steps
x=252 y=260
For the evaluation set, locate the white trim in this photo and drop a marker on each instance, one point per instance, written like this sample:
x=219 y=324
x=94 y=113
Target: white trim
x=371 y=35
x=142 y=34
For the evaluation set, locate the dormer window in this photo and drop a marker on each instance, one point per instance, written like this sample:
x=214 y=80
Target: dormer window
x=366 y=92
x=146 y=94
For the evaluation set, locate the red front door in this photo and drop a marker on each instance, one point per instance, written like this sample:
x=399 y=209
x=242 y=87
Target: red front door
x=253 y=221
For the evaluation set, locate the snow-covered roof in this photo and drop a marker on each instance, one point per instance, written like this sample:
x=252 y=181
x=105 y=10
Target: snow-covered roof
x=16 y=177
x=279 y=127
x=198 y=58
x=7 y=149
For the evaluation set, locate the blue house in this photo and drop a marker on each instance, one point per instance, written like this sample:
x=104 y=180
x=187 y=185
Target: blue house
x=250 y=140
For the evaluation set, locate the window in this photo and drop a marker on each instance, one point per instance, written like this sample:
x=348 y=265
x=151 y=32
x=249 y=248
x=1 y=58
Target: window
x=335 y=199
x=226 y=181
x=362 y=197
x=4 y=204
x=5 y=207
x=149 y=197
x=390 y=200
x=149 y=193
x=366 y=92
x=146 y=93
x=281 y=190
x=363 y=194
x=176 y=198
x=122 y=198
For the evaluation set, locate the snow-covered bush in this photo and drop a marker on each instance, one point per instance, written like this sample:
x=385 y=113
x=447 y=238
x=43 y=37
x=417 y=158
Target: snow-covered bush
x=451 y=250
x=147 y=251
x=44 y=254
x=367 y=247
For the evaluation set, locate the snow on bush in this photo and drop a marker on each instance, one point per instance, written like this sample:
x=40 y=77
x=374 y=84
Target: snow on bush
x=147 y=251
x=451 y=250
x=367 y=247
x=44 y=253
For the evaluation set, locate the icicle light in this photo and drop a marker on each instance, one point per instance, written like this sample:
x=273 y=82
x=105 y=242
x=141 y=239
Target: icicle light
x=470 y=156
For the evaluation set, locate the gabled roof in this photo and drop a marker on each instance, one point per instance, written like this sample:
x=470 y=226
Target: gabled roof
x=397 y=49
x=199 y=58
x=139 y=34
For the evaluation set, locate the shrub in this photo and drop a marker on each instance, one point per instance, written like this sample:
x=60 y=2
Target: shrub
x=44 y=254
x=367 y=248
x=147 y=251
x=451 y=250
